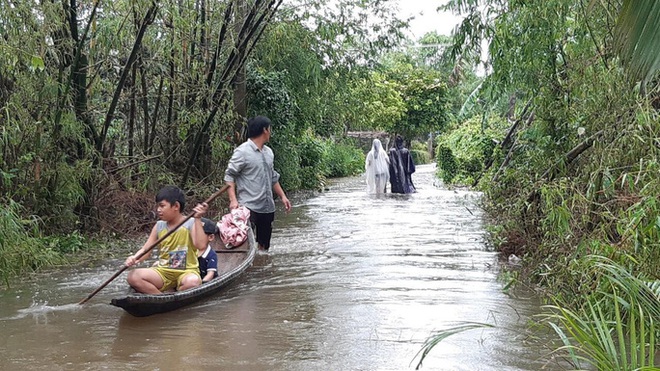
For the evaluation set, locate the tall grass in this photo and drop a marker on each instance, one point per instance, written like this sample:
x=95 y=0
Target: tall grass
x=19 y=251
x=616 y=328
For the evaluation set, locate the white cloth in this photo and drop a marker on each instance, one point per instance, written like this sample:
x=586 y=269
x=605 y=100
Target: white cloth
x=376 y=168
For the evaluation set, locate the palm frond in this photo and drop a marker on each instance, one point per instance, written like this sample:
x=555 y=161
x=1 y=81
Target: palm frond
x=470 y=103
x=638 y=37
x=441 y=335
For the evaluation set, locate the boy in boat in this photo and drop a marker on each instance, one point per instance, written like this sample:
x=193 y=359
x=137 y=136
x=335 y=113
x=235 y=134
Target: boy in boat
x=208 y=259
x=177 y=266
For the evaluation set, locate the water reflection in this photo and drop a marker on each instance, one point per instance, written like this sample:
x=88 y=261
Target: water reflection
x=352 y=282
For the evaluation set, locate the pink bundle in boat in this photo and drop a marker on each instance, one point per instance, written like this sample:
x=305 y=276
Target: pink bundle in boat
x=234 y=227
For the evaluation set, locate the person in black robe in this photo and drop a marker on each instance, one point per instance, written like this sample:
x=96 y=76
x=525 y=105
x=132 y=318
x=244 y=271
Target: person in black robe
x=401 y=168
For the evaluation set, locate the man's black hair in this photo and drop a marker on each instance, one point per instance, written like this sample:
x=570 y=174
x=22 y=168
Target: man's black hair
x=172 y=194
x=257 y=125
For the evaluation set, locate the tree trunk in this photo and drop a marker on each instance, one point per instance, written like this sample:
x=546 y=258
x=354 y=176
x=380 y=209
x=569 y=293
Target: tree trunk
x=168 y=132
x=240 y=82
x=131 y=113
x=145 y=108
x=221 y=38
x=152 y=135
x=251 y=31
x=146 y=21
x=571 y=155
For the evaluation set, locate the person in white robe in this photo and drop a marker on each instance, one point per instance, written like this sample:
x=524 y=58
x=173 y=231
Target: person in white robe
x=377 y=168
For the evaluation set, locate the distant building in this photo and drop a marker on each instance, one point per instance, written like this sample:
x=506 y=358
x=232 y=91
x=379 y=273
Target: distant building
x=365 y=138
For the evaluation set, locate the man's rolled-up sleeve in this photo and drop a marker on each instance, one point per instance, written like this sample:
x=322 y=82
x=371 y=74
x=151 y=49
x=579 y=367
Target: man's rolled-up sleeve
x=235 y=166
x=276 y=177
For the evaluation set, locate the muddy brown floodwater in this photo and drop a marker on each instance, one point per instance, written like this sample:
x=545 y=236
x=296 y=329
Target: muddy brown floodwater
x=352 y=282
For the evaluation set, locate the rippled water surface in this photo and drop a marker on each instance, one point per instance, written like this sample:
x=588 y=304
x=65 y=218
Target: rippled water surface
x=352 y=282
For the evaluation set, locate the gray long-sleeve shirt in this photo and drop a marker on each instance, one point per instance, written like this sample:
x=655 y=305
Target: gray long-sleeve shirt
x=254 y=175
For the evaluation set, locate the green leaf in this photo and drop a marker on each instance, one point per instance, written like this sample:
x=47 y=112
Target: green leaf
x=37 y=63
x=638 y=35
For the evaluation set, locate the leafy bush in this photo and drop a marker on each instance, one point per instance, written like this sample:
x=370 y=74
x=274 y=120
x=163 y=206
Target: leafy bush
x=462 y=153
x=614 y=327
x=313 y=166
x=343 y=159
x=446 y=161
x=307 y=163
x=420 y=153
x=287 y=162
x=270 y=96
x=420 y=157
x=20 y=252
x=311 y=149
x=66 y=244
x=310 y=178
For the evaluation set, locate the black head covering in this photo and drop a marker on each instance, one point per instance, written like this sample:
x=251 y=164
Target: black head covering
x=398 y=141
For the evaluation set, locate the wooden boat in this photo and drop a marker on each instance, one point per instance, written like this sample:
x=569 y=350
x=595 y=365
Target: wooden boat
x=231 y=263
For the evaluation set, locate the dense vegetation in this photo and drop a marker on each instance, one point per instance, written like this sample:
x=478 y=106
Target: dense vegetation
x=101 y=104
x=562 y=138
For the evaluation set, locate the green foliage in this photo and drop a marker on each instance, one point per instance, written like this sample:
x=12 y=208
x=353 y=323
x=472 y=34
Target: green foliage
x=339 y=32
x=637 y=37
x=313 y=164
x=81 y=128
x=420 y=157
x=615 y=325
x=462 y=153
x=441 y=335
x=420 y=153
x=287 y=163
x=286 y=71
x=312 y=150
x=380 y=101
x=321 y=56
x=311 y=160
x=344 y=159
x=19 y=251
x=579 y=174
x=447 y=168
x=310 y=178
x=429 y=52
x=425 y=95
x=270 y=96
x=576 y=188
x=65 y=244
x=92 y=111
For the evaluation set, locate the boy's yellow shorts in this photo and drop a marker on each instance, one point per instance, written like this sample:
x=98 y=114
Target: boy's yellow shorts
x=172 y=277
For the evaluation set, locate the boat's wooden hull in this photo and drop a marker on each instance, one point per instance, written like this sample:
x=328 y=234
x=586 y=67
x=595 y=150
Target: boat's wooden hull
x=231 y=264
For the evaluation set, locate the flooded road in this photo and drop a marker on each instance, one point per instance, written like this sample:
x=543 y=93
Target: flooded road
x=352 y=282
